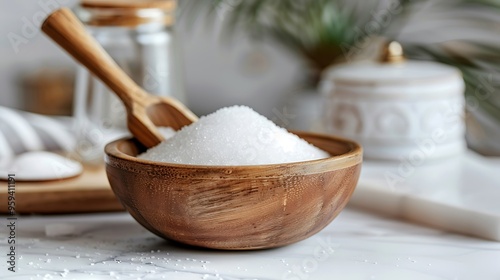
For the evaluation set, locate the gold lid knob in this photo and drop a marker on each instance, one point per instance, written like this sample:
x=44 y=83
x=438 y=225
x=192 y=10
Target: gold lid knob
x=392 y=53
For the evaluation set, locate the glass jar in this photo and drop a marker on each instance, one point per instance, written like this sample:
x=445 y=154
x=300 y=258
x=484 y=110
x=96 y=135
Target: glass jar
x=139 y=36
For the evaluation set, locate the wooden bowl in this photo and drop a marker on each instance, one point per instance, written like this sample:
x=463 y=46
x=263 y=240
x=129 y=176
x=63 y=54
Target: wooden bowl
x=235 y=207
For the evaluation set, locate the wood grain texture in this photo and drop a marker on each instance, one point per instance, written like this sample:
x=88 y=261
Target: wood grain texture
x=130 y=4
x=235 y=207
x=89 y=192
x=144 y=111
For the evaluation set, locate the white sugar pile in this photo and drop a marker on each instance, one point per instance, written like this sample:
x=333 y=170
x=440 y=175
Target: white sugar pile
x=233 y=136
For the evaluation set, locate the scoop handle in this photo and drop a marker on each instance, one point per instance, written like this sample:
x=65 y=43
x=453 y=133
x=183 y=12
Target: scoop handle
x=67 y=30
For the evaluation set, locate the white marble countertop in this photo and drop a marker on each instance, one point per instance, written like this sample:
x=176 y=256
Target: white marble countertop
x=356 y=245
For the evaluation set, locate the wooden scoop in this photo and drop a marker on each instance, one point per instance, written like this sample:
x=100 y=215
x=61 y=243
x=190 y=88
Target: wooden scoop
x=144 y=111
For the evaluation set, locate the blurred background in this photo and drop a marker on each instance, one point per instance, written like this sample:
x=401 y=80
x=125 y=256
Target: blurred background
x=265 y=53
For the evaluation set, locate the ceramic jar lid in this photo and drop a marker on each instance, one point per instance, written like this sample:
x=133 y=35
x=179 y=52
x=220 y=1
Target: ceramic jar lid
x=393 y=69
x=388 y=73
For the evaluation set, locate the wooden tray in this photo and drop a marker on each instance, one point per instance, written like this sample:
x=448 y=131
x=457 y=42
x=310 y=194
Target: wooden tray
x=89 y=192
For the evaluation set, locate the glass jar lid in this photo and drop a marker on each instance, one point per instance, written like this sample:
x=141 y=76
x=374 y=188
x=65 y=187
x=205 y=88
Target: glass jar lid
x=127 y=13
x=130 y=4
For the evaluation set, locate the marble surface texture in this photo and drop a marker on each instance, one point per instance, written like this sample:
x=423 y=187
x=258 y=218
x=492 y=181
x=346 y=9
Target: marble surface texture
x=459 y=194
x=356 y=245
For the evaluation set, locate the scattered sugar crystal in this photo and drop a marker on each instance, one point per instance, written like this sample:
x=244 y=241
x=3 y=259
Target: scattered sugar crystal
x=233 y=136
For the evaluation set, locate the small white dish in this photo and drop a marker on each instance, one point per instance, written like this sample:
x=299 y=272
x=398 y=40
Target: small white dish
x=39 y=166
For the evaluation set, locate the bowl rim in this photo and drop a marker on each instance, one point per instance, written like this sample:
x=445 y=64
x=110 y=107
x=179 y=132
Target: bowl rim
x=352 y=157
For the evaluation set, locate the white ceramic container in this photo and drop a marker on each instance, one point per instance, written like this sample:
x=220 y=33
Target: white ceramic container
x=397 y=109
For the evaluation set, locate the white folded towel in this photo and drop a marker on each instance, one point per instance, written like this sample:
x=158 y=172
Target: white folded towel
x=22 y=131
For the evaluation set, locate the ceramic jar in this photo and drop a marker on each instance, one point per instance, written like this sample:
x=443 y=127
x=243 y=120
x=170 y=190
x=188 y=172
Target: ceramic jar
x=397 y=109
